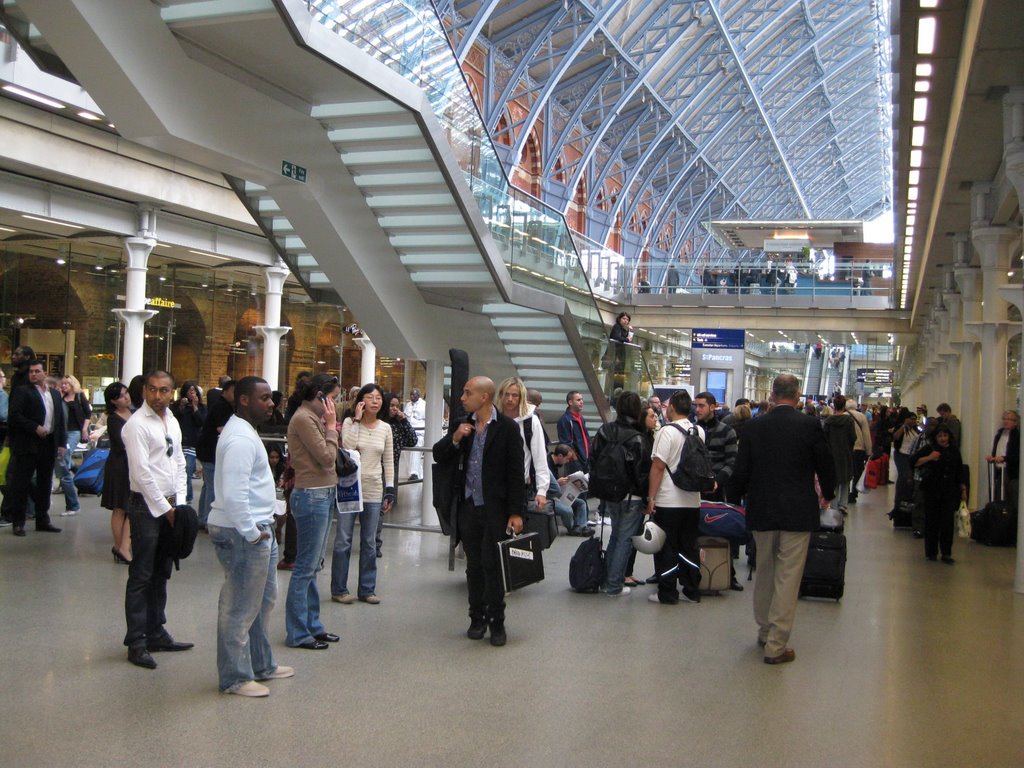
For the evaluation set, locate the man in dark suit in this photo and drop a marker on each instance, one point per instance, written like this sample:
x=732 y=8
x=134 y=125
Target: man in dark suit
x=37 y=435
x=779 y=455
x=488 y=450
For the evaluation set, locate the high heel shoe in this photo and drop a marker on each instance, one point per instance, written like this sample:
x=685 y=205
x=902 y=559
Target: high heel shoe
x=118 y=557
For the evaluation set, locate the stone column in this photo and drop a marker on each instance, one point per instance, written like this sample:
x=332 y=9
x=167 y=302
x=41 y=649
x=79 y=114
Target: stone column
x=368 y=362
x=431 y=434
x=272 y=332
x=1015 y=295
x=993 y=246
x=134 y=314
x=1013 y=138
x=967 y=279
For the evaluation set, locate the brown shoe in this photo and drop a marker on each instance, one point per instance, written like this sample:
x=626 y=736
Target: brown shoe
x=786 y=656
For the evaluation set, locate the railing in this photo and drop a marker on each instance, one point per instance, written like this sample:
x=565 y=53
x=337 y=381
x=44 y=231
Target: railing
x=624 y=368
x=536 y=244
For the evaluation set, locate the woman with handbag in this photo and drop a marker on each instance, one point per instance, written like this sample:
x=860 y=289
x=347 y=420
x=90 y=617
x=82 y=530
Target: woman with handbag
x=312 y=452
x=76 y=415
x=402 y=436
x=366 y=432
x=942 y=485
x=115 y=471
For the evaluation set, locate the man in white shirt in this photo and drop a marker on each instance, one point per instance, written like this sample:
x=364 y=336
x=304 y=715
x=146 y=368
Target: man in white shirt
x=156 y=476
x=416 y=413
x=676 y=511
x=241 y=526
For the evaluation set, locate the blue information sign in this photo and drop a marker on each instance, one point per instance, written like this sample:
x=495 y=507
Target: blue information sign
x=717 y=338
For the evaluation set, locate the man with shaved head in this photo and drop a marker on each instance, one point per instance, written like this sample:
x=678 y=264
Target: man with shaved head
x=488 y=450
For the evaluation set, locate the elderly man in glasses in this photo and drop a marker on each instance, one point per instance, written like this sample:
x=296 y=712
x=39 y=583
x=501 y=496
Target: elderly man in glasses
x=156 y=474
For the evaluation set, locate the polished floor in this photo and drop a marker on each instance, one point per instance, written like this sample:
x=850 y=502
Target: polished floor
x=921 y=664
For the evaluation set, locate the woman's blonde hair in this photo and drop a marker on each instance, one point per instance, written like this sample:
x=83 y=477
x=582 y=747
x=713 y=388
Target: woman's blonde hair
x=76 y=385
x=515 y=381
x=741 y=413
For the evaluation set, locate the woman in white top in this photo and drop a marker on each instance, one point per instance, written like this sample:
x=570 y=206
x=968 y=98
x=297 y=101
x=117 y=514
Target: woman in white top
x=512 y=399
x=365 y=431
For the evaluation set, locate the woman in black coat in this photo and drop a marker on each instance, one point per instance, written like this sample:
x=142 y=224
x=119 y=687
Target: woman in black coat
x=942 y=484
x=1005 y=459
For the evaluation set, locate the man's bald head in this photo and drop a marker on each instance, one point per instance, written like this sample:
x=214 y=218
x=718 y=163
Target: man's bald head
x=478 y=394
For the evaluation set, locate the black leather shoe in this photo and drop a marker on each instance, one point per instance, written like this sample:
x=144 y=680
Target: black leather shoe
x=327 y=637
x=18 y=530
x=312 y=645
x=498 y=636
x=140 y=658
x=168 y=646
x=477 y=629
x=735 y=586
x=48 y=528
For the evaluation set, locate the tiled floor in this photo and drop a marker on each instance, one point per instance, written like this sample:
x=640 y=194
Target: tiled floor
x=921 y=664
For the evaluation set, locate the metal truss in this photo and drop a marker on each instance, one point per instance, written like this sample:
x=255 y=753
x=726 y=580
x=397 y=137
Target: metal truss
x=772 y=108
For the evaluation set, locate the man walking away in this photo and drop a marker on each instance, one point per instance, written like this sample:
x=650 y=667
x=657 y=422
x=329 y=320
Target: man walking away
x=779 y=456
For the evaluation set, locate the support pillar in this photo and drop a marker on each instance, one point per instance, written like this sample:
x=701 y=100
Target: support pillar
x=1014 y=295
x=967 y=279
x=368 y=362
x=272 y=332
x=431 y=434
x=134 y=314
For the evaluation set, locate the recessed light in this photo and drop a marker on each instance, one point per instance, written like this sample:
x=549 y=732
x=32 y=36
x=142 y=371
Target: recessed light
x=917 y=136
x=89 y=116
x=922 y=86
x=912 y=193
x=926 y=28
x=51 y=221
x=916 y=156
x=914 y=178
x=920 y=109
x=33 y=96
x=923 y=70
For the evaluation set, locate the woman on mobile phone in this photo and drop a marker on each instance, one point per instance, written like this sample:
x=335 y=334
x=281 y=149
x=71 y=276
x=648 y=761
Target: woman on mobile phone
x=366 y=431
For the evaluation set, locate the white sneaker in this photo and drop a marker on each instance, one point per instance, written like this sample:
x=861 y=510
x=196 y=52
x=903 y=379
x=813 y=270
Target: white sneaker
x=252 y=689
x=69 y=513
x=624 y=591
x=280 y=673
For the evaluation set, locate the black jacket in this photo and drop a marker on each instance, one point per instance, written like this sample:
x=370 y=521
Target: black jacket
x=1012 y=452
x=779 y=455
x=502 y=471
x=217 y=416
x=638 y=453
x=26 y=412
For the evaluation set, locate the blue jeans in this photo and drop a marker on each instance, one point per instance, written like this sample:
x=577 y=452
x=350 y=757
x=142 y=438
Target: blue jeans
x=626 y=516
x=367 y=550
x=65 y=475
x=247 y=597
x=311 y=509
x=190 y=469
x=207 y=495
x=572 y=517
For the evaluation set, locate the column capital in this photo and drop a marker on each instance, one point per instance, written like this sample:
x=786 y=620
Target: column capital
x=275 y=275
x=967 y=281
x=134 y=316
x=1013 y=294
x=138 y=249
x=992 y=243
x=272 y=334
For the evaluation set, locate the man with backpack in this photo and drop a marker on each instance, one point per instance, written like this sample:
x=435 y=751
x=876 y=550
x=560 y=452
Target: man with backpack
x=675 y=510
x=620 y=462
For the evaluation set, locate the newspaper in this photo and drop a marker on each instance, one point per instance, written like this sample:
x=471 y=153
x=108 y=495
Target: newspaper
x=576 y=485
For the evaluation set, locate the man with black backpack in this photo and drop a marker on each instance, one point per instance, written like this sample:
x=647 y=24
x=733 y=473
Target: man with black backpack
x=675 y=510
x=620 y=461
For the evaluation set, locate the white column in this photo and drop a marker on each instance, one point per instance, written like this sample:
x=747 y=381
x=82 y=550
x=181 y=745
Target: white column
x=967 y=279
x=431 y=434
x=1014 y=295
x=272 y=331
x=134 y=313
x=368 y=361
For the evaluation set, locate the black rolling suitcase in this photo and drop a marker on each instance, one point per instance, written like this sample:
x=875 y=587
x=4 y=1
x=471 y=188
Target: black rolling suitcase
x=825 y=570
x=995 y=525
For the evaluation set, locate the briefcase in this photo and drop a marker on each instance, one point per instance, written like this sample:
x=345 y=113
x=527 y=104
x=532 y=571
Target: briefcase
x=522 y=561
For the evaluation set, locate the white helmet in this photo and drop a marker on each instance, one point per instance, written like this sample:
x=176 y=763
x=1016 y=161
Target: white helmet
x=650 y=540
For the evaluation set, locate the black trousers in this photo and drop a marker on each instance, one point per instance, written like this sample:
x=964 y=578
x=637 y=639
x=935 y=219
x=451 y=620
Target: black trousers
x=679 y=560
x=939 y=520
x=29 y=474
x=860 y=460
x=480 y=534
x=145 y=596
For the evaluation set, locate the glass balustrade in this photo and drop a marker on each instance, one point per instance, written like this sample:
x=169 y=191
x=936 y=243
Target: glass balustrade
x=535 y=242
x=623 y=367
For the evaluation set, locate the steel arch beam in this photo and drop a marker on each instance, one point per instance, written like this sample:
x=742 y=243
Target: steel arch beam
x=599 y=84
x=479 y=20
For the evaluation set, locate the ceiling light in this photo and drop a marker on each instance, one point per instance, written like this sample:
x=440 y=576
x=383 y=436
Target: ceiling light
x=917 y=136
x=929 y=3
x=51 y=221
x=926 y=35
x=89 y=116
x=912 y=193
x=911 y=220
x=62 y=261
x=914 y=177
x=920 y=109
x=33 y=96
x=98 y=267
x=922 y=86
x=915 y=159
x=923 y=70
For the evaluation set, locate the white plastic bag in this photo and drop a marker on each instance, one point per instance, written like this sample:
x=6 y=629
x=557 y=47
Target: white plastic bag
x=963 y=521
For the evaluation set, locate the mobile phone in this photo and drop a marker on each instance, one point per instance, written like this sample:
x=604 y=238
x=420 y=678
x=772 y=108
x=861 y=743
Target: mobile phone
x=321 y=397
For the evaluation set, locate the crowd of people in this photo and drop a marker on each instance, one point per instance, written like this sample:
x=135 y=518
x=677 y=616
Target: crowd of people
x=275 y=479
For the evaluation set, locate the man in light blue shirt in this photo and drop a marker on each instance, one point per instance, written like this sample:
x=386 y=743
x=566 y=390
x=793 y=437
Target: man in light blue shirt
x=241 y=528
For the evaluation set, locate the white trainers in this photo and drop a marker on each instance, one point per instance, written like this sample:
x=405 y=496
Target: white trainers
x=624 y=591
x=252 y=689
x=280 y=673
x=69 y=513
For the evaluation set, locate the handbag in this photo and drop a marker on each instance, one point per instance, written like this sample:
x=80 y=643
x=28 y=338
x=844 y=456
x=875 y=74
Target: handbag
x=5 y=459
x=349 y=489
x=522 y=561
x=344 y=464
x=963 y=521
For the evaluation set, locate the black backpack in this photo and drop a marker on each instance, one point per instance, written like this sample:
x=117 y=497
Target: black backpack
x=693 y=473
x=587 y=567
x=612 y=472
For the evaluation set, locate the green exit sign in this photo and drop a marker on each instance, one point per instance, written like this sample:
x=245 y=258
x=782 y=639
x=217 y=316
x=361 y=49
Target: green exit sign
x=293 y=171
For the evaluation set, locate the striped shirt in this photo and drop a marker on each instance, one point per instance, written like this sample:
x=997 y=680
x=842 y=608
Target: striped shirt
x=376 y=456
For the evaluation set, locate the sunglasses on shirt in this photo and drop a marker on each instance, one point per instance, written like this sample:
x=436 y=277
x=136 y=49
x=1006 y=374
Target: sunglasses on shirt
x=170 y=445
